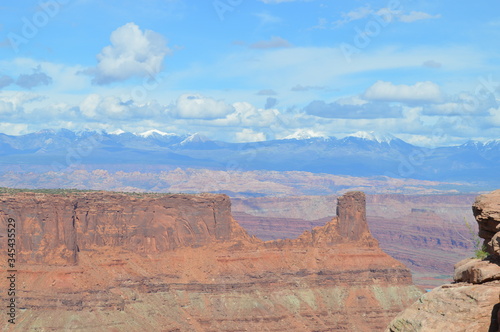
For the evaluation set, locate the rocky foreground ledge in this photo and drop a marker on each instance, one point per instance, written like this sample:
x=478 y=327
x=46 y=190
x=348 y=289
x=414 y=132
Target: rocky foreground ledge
x=100 y=261
x=472 y=303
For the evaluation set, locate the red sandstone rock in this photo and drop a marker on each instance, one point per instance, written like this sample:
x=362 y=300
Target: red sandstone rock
x=458 y=307
x=426 y=233
x=471 y=304
x=59 y=227
x=116 y=262
x=476 y=271
x=486 y=209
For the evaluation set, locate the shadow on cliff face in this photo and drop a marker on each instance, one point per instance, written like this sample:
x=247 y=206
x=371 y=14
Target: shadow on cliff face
x=495 y=319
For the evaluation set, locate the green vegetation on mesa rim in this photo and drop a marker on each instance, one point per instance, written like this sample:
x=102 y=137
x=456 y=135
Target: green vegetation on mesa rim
x=60 y=191
x=5 y=190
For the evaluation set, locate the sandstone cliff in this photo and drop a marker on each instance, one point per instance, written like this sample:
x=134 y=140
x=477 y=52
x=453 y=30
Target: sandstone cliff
x=61 y=226
x=426 y=233
x=472 y=303
x=98 y=261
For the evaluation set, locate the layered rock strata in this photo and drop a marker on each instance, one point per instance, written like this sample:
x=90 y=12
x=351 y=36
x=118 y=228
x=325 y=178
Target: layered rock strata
x=114 y=262
x=472 y=303
x=426 y=233
x=486 y=209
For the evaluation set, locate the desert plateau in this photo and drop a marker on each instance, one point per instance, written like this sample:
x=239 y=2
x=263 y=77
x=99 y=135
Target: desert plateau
x=248 y=166
x=95 y=261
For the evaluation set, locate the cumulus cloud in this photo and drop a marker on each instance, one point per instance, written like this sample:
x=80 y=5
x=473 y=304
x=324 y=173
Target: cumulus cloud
x=37 y=78
x=5 y=80
x=89 y=106
x=18 y=99
x=249 y=135
x=96 y=107
x=462 y=104
x=247 y=115
x=495 y=116
x=271 y=102
x=274 y=42
x=6 y=107
x=132 y=53
x=13 y=106
x=420 y=92
x=195 y=106
x=347 y=111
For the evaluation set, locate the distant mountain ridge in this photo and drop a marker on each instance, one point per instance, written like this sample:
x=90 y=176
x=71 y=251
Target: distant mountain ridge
x=360 y=154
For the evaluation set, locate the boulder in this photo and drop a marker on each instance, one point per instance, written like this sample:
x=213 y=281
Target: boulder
x=486 y=209
x=471 y=304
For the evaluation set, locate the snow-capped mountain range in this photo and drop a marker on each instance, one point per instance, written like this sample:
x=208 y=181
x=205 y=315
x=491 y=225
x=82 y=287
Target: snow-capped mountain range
x=358 y=154
x=373 y=136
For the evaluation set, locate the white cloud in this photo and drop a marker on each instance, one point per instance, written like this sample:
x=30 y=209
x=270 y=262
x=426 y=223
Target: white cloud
x=416 y=16
x=424 y=92
x=97 y=107
x=13 y=128
x=274 y=42
x=354 y=15
x=495 y=116
x=6 y=107
x=89 y=105
x=266 y=18
x=18 y=99
x=132 y=53
x=387 y=14
x=462 y=104
x=248 y=115
x=195 y=106
x=249 y=135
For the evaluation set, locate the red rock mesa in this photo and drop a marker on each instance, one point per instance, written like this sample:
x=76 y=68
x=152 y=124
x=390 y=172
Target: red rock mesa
x=103 y=261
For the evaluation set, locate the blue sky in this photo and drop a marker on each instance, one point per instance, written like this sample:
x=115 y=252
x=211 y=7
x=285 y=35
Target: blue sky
x=242 y=70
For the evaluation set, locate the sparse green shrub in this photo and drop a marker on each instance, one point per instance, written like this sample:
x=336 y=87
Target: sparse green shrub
x=479 y=248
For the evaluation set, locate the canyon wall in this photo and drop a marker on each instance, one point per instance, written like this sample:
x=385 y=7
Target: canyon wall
x=428 y=234
x=60 y=226
x=100 y=261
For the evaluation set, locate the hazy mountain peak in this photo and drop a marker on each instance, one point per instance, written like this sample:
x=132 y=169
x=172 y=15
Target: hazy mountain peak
x=46 y=131
x=117 y=132
x=305 y=134
x=195 y=138
x=492 y=142
x=374 y=136
x=154 y=132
